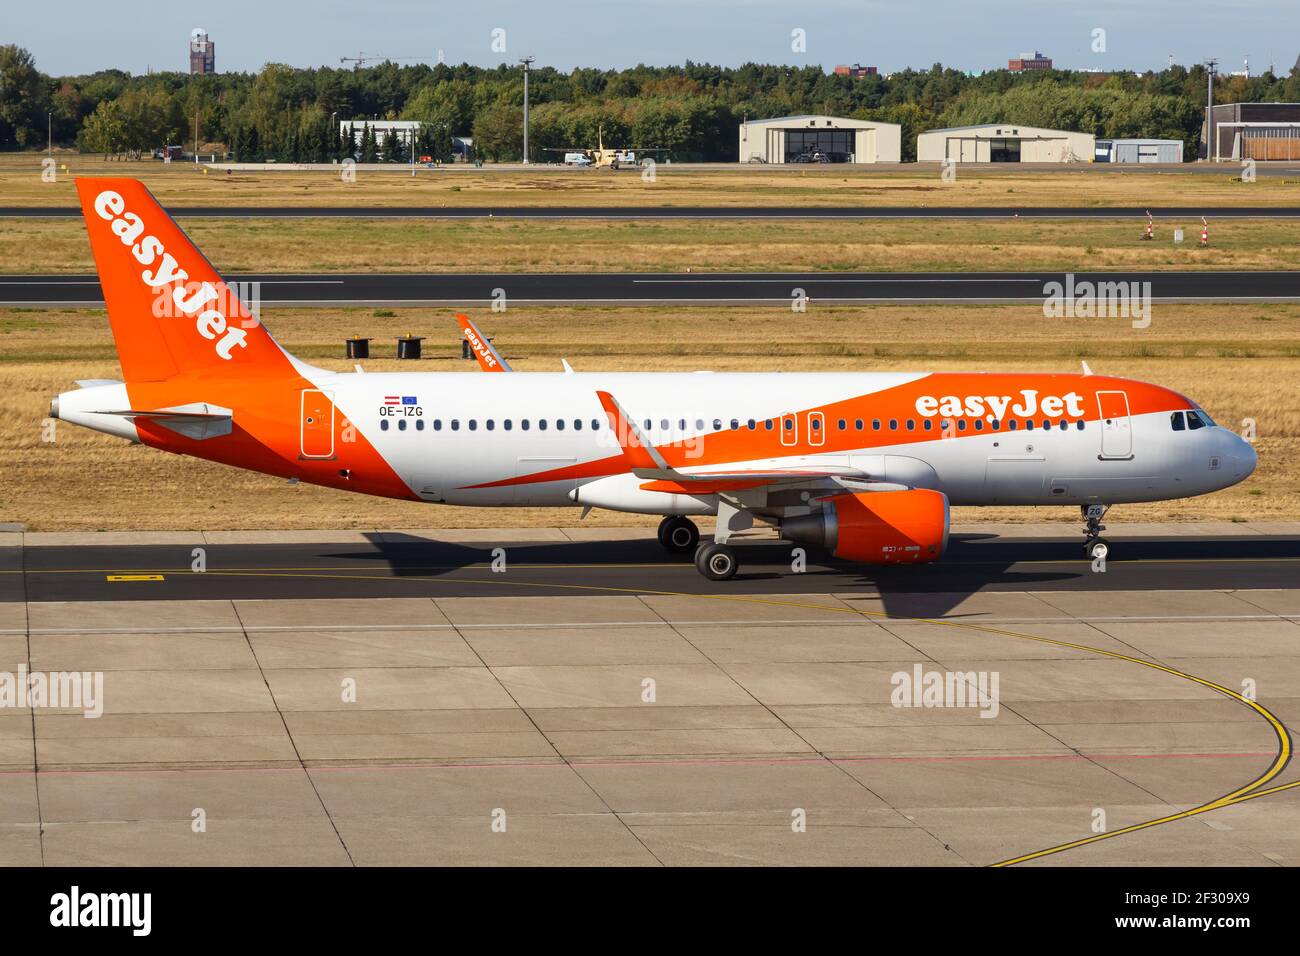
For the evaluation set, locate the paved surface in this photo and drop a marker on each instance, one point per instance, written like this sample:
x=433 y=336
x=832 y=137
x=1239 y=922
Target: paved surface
x=397 y=565
x=467 y=290
x=686 y=212
x=604 y=725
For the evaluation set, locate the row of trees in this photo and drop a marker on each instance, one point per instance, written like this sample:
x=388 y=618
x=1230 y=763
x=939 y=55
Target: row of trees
x=287 y=114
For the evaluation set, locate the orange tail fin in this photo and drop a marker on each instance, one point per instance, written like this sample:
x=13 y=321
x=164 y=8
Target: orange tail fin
x=171 y=312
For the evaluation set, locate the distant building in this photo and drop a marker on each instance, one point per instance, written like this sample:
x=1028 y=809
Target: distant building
x=1261 y=131
x=1036 y=61
x=405 y=130
x=203 y=52
x=855 y=71
x=819 y=139
x=1139 y=151
x=1005 y=143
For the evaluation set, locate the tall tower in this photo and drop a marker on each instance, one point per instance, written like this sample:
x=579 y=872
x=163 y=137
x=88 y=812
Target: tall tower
x=203 y=52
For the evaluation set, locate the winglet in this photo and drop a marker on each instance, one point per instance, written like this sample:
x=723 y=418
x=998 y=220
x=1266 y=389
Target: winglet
x=489 y=359
x=638 y=451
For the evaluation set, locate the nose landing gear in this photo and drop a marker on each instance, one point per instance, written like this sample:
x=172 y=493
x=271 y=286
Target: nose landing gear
x=1094 y=545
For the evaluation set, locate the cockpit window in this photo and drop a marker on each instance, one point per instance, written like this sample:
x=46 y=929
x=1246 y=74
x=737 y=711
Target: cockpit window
x=1176 y=421
x=1194 y=420
x=1204 y=416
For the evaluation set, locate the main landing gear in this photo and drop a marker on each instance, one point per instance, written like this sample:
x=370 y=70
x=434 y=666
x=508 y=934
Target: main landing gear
x=1094 y=545
x=717 y=562
x=679 y=534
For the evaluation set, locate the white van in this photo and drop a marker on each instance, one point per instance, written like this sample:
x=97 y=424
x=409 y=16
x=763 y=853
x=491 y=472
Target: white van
x=577 y=159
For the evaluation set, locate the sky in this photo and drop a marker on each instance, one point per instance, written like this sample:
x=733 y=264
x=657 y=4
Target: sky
x=81 y=36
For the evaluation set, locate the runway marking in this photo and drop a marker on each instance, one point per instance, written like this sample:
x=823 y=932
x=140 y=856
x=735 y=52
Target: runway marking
x=604 y=762
x=824 y=280
x=122 y=578
x=1248 y=791
x=570 y=625
x=272 y=570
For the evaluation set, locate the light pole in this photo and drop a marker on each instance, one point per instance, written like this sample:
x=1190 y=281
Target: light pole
x=1209 y=110
x=527 y=62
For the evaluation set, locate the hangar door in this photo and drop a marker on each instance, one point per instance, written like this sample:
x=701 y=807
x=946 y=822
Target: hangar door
x=830 y=145
x=963 y=150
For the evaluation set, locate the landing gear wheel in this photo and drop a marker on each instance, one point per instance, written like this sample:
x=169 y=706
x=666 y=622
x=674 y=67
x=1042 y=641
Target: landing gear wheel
x=679 y=534
x=1097 y=548
x=1094 y=545
x=717 y=562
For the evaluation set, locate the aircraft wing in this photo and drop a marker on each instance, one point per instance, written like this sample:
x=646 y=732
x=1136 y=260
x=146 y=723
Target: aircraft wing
x=645 y=461
x=489 y=359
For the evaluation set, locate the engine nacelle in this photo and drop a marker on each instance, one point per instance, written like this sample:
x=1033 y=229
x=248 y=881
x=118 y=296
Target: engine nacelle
x=879 y=527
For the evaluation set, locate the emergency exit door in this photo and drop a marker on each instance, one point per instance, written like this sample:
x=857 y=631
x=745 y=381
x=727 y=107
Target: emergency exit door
x=1116 y=428
x=317 y=424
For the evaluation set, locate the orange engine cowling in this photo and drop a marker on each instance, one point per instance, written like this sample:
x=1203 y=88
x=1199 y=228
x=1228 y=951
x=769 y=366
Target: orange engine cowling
x=877 y=527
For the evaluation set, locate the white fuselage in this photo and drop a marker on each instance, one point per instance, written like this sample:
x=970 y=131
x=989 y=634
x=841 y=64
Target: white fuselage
x=474 y=439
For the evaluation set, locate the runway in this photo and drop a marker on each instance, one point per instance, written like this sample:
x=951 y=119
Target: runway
x=474 y=290
x=599 y=714
x=403 y=566
x=1192 y=213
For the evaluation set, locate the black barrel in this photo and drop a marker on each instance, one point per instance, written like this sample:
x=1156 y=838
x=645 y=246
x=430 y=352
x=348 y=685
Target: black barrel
x=358 y=348
x=465 y=352
x=408 y=347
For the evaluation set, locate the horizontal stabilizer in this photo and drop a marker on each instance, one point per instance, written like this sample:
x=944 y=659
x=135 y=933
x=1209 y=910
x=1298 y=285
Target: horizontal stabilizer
x=197 y=420
x=96 y=382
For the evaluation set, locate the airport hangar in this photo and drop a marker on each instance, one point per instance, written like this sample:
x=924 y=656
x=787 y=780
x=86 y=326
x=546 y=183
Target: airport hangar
x=1004 y=143
x=784 y=139
x=1139 y=151
x=1260 y=131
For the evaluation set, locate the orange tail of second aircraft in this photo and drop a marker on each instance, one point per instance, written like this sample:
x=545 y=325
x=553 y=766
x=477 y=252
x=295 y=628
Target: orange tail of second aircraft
x=171 y=313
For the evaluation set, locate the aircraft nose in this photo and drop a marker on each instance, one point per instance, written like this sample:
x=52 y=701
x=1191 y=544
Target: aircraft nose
x=1244 y=458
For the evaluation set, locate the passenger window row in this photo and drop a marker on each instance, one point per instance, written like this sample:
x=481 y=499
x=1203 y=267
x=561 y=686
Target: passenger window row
x=893 y=424
x=961 y=426
x=490 y=424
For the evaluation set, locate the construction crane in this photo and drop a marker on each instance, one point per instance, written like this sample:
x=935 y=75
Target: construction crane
x=361 y=59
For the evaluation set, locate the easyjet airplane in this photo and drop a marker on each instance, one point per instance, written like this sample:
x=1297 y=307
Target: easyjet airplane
x=863 y=464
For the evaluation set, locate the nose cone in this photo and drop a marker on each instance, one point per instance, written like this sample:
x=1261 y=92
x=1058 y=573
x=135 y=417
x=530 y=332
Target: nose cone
x=1244 y=459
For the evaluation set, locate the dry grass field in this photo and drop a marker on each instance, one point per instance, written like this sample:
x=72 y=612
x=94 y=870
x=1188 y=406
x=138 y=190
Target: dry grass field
x=491 y=245
x=906 y=185
x=1240 y=361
